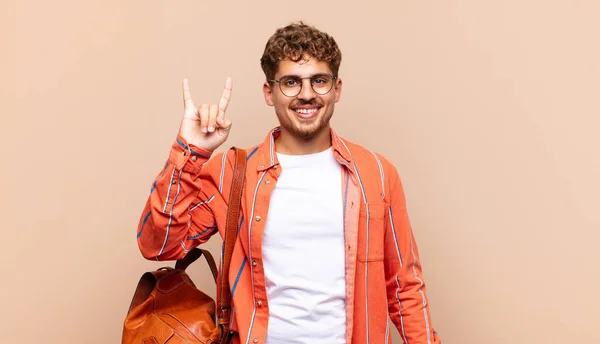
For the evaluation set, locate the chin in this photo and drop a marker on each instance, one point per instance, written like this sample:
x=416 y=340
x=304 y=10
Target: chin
x=305 y=133
x=305 y=126
x=309 y=128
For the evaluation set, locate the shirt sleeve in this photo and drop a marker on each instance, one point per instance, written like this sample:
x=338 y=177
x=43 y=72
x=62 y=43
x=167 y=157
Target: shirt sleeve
x=179 y=214
x=408 y=305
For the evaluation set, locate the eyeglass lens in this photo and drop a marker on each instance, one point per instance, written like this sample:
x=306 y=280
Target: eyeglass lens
x=292 y=85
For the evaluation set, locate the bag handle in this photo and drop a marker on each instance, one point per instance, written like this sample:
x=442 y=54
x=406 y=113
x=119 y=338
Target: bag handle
x=231 y=227
x=193 y=255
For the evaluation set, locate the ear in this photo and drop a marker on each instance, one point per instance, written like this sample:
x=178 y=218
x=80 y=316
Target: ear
x=338 y=89
x=268 y=93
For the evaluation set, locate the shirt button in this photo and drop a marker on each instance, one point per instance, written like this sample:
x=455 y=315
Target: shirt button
x=194 y=158
x=258 y=218
x=173 y=182
x=254 y=263
x=267 y=181
x=259 y=303
x=255 y=340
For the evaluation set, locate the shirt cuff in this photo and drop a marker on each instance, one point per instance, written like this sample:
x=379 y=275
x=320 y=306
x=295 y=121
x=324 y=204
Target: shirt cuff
x=188 y=157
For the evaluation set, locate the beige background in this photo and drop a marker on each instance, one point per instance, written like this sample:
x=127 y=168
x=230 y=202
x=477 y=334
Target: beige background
x=489 y=109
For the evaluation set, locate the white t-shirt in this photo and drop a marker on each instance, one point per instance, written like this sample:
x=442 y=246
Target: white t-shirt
x=303 y=252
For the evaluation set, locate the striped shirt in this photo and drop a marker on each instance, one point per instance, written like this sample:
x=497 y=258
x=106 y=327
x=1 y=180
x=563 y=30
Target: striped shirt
x=188 y=202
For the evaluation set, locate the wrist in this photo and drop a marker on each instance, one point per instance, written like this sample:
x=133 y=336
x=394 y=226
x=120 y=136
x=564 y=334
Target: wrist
x=193 y=149
x=187 y=156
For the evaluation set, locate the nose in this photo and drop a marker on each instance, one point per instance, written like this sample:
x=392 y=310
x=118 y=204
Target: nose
x=306 y=93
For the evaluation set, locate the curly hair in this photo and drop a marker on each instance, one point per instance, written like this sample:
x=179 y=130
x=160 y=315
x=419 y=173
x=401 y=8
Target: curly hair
x=294 y=42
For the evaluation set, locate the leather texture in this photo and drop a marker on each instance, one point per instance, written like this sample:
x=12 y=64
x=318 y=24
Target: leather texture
x=168 y=308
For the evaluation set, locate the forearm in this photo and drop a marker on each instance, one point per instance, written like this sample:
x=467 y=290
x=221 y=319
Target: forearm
x=165 y=220
x=408 y=304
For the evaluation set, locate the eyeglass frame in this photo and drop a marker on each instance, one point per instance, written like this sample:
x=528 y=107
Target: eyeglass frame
x=333 y=78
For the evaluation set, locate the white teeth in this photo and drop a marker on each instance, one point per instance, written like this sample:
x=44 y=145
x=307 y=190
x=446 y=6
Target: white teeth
x=306 y=111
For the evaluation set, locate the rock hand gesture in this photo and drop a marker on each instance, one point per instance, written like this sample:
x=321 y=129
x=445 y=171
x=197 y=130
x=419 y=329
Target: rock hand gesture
x=205 y=126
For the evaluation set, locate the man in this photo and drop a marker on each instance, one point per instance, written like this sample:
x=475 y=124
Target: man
x=325 y=252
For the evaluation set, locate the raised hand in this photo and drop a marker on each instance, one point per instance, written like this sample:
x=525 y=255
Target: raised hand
x=205 y=126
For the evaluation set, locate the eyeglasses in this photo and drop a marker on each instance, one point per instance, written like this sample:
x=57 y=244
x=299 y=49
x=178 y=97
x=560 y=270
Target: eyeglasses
x=291 y=85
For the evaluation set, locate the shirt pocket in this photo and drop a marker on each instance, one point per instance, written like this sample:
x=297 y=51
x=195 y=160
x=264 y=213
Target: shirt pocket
x=371 y=232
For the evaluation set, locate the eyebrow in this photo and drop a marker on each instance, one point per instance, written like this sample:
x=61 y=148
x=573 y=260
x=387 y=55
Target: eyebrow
x=298 y=76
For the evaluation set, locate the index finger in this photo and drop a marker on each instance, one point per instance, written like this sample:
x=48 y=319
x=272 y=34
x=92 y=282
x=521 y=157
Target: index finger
x=225 y=97
x=187 y=97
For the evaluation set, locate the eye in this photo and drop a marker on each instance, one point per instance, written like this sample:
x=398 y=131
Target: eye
x=290 y=82
x=321 y=80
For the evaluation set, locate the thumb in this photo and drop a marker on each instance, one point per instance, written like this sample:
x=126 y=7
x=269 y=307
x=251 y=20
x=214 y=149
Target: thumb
x=224 y=124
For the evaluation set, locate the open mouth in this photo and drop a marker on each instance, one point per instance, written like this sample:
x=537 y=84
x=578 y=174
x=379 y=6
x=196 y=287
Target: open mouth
x=306 y=112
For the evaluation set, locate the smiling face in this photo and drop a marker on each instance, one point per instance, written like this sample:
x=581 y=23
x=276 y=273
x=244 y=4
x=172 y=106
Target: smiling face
x=307 y=114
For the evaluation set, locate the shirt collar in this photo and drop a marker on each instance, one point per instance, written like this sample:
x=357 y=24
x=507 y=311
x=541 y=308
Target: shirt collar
x=268 y=157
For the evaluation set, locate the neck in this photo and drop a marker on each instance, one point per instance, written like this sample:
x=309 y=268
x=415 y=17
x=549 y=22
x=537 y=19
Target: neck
x=290 y=144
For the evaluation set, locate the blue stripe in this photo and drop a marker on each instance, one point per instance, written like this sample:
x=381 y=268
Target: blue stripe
x=251 y=153
x=237 y=278
x=199 y=234
x=162 y=175
x=169 y=191
x=395 y=237
x=144 y=223
x=202 y=202
x=241 y=267
x=189 y=149
x=366 y=248
x=241 y=221
x=171 y=213
x=403 y=333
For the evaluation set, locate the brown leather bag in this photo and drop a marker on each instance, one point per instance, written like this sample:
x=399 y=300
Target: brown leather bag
x=168 y=308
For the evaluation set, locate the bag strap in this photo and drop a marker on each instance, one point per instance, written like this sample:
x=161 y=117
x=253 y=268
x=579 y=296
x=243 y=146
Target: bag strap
x=231 y=227
x=193 y=255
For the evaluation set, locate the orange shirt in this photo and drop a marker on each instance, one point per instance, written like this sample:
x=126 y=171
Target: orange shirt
x=187 y=205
